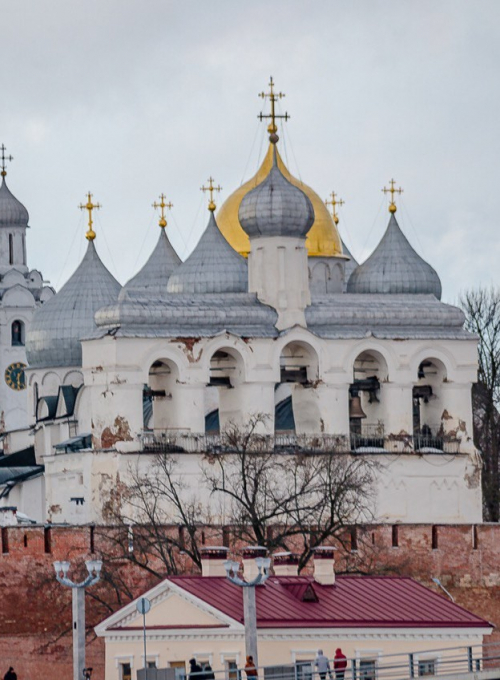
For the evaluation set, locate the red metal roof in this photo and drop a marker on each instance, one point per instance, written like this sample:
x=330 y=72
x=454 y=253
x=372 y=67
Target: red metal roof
x=354 y=601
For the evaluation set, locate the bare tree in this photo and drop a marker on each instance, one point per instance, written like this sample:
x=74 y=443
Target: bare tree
x=482 y=310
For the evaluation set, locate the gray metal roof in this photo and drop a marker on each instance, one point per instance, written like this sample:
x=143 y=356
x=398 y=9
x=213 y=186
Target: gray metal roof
x=153 y=278
x=188 y=315
x=212 y=267
x=384 y=316
x=276 y=208
x=350 y=264
x=12 y=212
x=53 y=337
x=394 y=267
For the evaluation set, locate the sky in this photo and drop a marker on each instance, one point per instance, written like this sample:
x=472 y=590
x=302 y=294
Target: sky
x=129 y=99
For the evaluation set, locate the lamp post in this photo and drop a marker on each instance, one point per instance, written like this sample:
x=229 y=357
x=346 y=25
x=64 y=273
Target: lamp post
x=249 y=605
x=94 y=569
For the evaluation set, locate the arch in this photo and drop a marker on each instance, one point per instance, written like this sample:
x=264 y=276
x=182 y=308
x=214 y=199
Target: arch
x=231 y=344
x=366 y=399
x=377 y=349
x=17 y=333
x=74 y=378
x=439 y=354
x=298 y=362
x=226 y=366
x=160 y=396
x=428 y=404
x=165 y=352
x=50 y=384
x=319 y=278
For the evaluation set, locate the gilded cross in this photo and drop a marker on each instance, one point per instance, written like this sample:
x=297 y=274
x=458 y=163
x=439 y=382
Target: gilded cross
x=162 y=205
x=392 y=191
x=334 y=203
x=90 y=235
x=211 y=189
x=273 y=97
x=4 y=160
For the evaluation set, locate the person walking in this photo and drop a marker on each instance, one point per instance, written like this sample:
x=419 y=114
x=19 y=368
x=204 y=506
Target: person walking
x=209 y=674
x=323 y=665
x=339 y=664
x=195 y=670
x=250 y=669
x=10 y=675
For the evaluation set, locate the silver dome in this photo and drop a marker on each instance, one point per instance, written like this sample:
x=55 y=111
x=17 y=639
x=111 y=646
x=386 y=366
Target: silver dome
x=212 y=267
x=53 y=338
x=394 y=267
x=350 y=265
x=12 y=212
x=151 y=281
x=276 y=208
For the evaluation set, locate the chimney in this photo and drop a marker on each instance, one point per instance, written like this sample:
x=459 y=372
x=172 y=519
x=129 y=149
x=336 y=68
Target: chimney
x=212 y=560
x=250 y=570
x=324 y=565
x=285 y=564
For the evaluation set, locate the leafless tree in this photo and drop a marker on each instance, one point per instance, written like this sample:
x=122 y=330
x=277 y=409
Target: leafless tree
x=482 y=310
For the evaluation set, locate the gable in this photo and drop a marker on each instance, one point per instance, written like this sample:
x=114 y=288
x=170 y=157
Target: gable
x=174 y=611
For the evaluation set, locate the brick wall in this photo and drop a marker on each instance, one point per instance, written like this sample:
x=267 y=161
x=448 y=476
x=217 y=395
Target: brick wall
x=35 y=611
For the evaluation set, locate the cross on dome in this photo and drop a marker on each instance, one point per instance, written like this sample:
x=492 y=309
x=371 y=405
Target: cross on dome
x=4 y=159
x=392 y=191
x=90 y=234
x=273 y=97
x=334 y=203
x=162 y=205
x=211 y=189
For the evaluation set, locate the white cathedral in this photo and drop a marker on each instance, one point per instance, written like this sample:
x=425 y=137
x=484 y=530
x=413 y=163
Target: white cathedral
x=270 y=314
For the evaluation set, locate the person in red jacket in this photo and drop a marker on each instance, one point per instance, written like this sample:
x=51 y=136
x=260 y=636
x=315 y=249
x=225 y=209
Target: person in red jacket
x=339 y=664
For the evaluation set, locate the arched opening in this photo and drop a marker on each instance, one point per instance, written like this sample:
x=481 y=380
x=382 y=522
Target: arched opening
x=17 y=333
x=223 y=405
x=428 y=405
x=366 y=418
x=159 y=395
x=296 y=407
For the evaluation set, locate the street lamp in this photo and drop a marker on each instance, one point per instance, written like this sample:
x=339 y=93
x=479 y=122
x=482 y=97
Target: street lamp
x=249 y=607
x=94 y=569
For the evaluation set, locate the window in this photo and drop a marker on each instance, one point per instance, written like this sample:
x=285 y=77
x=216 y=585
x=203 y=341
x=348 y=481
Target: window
x=367 y=669
x=180 y=669
x=427 y=667
x=11 y=249
x=125 y=671
x=232 y=672
x=17 y=333
x=151 y=664
x=303 y=670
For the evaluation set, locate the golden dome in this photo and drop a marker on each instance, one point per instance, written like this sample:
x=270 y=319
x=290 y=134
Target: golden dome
x=323 y=239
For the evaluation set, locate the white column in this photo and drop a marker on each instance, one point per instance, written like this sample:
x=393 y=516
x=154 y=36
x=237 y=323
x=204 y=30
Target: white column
x=321 y=409
x=238 y=404
x=188 y=408
x=456 y=417
x=397 y=403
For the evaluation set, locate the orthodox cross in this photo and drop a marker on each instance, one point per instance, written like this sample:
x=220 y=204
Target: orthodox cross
x=162 y=205
x=334 y=203
x=4 y=159
x=90 y=235
x=211 y=189
x=273 y=97
x=392 y=191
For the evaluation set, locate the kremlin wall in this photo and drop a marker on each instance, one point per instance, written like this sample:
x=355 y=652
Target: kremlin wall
x=35 y=616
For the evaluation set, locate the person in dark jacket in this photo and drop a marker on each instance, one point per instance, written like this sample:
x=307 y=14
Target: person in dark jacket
x=250 y=669
x=208 y=672
x=195 y=670
x=339 y=664
x=10 y=675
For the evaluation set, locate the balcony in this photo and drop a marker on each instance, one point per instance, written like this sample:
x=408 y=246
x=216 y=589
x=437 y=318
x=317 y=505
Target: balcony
x=432 y=439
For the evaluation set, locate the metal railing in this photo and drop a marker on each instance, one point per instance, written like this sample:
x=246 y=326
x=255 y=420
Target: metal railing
x=431 y=438
x=474 y=662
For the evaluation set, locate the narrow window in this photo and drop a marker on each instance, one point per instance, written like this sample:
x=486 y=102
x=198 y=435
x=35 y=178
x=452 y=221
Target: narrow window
x=47 y=540
x=182 y=538
x=24 y=250
x=395 y=536
x=92 y=540
x=434 y=537
x=25 y=540
x=5 y=540
x=17 y=333
x=203 y=541
x=11 y=249
x=373 y=538
x=475 y=538
x=354 y=539
x=226 y=537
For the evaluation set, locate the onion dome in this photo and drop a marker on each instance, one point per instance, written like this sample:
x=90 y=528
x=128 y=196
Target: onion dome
x=351 y=264
x=53 y=338
x=276 y=208
x=12 y=212
x=212 y=267
x=323 y=239
x=151 y=281
x=394 y=268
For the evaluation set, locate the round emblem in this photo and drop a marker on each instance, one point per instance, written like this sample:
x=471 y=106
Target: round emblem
x=15 y=376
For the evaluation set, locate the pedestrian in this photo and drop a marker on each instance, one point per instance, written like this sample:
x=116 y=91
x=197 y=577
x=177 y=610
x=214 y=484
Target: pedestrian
x=208 y=672
x=10 y=675
x=195 y=670
x=323 y=665
x=339 y=664
x=250 y=669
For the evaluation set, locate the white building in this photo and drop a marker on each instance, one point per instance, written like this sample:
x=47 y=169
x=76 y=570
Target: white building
x=267 y=315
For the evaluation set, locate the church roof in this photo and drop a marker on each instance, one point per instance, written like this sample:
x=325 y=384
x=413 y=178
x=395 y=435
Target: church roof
x=212 y=267
x=53 y=338
x=394 y=267
x=12 y=212
x=152 y=279
x=276 y=208
x=350 y=265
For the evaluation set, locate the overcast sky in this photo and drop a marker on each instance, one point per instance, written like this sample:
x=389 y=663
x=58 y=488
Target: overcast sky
x=130 y=98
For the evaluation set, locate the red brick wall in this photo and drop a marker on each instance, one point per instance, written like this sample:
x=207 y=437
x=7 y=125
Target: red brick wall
x=35 y=611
